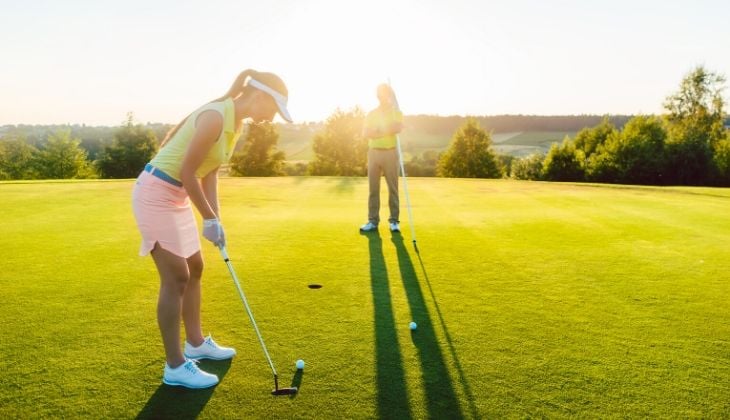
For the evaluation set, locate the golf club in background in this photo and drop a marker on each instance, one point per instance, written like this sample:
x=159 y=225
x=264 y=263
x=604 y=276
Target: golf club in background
x=403 y=172
x=277 y=390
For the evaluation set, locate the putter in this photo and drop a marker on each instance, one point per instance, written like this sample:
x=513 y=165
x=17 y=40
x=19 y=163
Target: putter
x=276 y=390
x=403 y=173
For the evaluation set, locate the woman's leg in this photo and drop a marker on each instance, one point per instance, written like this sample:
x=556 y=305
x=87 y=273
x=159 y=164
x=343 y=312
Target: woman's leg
x=199 y=348
x=174 y=276
x=191 y=301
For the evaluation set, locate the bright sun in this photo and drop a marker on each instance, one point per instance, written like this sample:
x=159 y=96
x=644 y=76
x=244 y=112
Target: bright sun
x=336 y=62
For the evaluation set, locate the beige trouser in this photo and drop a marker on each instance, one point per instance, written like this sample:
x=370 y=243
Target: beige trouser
x=383 y=161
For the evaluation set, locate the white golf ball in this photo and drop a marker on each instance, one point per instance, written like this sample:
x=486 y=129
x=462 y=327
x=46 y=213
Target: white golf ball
x=412 y=325
x=300 y=364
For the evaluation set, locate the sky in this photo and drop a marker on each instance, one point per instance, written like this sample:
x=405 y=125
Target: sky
x=92 y=61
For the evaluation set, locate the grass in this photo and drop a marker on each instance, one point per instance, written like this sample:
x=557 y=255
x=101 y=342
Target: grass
x=532 y=300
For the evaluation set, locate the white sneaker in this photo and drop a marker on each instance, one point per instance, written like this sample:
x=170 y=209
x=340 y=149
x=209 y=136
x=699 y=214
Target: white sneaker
x=394 y=227
x=188 y=375
x=368 y=227
x=208 y=350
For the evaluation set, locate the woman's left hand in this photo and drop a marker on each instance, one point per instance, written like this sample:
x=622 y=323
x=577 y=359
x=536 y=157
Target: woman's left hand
x=213 y=231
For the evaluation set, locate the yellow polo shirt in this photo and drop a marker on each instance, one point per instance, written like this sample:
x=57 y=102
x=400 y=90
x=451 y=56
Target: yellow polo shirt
x=170 y=157
x=382 y=119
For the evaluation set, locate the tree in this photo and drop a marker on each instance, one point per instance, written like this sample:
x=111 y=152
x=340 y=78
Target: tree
x=17 y=159
x=696 y=124
x=62 y=158
x=699 y=100
x=588 y=139
x=3 y=162
x=528 y=168
x=640 y=156
x=258 y=156
x=132 y=147
x=470 y=154
x=721 y=159
x=602 y=166
x=295 y=168
x=505 y=164
x=339 y=148
x=423 y=165
x=633 y=156
x=564 y=163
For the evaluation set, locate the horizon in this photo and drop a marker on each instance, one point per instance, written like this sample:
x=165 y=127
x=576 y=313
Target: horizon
x=90 y=64
x=322 y=122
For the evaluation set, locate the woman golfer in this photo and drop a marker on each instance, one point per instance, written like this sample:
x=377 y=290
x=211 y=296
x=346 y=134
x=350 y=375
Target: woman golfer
x=185 y=170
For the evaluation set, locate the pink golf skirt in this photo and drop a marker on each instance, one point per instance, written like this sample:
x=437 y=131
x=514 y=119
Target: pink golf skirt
x=164 y=216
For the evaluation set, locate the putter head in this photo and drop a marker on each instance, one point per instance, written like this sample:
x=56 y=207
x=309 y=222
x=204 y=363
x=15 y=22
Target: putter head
x=285 y=391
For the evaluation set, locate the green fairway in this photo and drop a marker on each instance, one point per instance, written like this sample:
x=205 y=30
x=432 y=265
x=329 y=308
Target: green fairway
x=532 y=300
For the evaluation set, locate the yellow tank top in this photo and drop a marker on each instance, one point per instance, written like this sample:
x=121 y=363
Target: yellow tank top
x=170 y=157
x=381 y=119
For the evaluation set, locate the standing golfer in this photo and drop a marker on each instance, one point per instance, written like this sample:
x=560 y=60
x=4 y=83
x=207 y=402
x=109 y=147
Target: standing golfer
x=381 y=126
x=185 y=170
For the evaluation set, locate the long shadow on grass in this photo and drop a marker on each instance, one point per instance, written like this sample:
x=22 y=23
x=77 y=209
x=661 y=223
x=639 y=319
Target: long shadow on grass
x=390 y=375
x=441 y=399
x=462 y=377
x=174 y=402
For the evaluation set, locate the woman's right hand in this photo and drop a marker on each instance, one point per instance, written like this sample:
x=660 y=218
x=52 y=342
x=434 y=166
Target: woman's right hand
x=213 y=231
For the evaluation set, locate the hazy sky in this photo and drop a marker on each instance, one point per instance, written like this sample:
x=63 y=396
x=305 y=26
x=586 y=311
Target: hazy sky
x=74 y=61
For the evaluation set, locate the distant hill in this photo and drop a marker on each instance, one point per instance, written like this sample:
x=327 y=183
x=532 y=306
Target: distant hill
x=296 y=140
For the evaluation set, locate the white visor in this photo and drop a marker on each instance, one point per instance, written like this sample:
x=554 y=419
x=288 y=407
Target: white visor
x=280 y=99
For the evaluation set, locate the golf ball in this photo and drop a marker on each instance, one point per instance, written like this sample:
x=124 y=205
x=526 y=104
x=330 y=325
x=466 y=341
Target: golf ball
x=412 y=325
x=300 y=364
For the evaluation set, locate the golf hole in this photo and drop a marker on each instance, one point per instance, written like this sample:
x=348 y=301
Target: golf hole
x=315 y=286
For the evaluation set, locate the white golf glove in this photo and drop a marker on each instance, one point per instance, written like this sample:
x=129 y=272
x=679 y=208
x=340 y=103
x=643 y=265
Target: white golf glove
x=213 y=231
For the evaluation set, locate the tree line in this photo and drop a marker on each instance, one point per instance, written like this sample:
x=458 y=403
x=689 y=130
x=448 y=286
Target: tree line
x=689 y=145
x=57 y=154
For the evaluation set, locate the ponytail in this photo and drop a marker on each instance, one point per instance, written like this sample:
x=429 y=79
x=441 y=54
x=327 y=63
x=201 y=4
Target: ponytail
x=238 y=85
x=235 y=90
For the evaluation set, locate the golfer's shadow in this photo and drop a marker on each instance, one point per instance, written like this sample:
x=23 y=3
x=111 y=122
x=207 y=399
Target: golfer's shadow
x=176 y=402
x=390 y=376
x=441 y=398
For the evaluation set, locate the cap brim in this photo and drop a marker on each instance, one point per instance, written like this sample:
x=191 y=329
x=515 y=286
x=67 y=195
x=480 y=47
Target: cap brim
x=284 y=112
